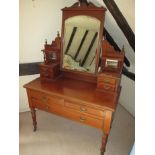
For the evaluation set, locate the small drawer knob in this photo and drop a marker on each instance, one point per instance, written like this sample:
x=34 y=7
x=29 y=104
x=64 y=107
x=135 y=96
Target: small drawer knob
x=82 y=109
x=44 y=99
x=47 y=108
x=82 y=119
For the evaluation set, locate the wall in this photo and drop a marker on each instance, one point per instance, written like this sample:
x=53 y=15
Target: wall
x=127 y=7
x=127 y=97
x=23 y=100
x=41 y=19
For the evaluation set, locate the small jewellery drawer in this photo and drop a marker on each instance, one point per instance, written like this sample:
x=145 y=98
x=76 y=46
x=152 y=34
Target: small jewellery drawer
x=106 y=86
x=84 y=109
x=46 y=74
x=107 y=80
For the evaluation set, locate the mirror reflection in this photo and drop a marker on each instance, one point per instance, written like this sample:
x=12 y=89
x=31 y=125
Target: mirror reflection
x=80 y=43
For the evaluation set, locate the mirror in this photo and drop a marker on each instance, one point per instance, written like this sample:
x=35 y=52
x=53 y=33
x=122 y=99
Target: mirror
x=81 y=35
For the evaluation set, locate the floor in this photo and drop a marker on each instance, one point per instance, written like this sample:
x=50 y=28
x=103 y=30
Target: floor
x=58 y=136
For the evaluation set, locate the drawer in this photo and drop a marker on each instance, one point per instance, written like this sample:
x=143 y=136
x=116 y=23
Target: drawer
x=40 y=97
x=38 y=105
x=107 y=80
x=98 y=123
x=106 y=86
x=43 y=69
x=84 y=109
x=46 y=99
x=56 y=101
x=46 y=74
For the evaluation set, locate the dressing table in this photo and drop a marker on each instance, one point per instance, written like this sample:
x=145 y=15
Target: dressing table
x=81 y=73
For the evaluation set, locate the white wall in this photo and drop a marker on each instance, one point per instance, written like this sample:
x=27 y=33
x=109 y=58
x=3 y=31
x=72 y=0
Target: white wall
x=127 y=97
x=127 y=7
x=39 y=20
x=42 y=19
x=23 y=100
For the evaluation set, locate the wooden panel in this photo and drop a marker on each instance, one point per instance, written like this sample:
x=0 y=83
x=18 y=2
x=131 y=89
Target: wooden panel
x=37 y=104
x=107 y=80
x=39 y=96
x=106 y=87
x=76 y=90
x=76 y=116
x=84 y=109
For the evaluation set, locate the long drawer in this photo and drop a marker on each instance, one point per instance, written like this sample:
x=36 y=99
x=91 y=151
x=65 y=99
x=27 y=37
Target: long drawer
x=84 y=109
x=68 y=109
x=46 y=99
x=77 y=116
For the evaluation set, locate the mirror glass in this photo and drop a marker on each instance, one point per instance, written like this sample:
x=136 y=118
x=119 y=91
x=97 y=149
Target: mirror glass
x=81 y=34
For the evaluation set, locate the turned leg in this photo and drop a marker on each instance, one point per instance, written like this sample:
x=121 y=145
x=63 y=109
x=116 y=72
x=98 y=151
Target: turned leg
x=104 y=142
x=33 y=113
x=106 y=130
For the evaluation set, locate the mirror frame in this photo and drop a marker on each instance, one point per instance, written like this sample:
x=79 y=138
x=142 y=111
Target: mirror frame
x=83 y=9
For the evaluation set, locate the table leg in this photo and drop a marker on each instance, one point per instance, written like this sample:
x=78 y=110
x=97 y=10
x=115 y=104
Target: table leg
x=106 y=130
x=104 y=142
x=33 y=113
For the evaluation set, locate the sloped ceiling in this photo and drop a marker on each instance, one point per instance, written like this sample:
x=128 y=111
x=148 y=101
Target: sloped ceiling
x=127 y=7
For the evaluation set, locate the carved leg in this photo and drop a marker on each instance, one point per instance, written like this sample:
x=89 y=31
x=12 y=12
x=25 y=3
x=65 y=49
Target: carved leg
x=104 y=142
x=33 y=113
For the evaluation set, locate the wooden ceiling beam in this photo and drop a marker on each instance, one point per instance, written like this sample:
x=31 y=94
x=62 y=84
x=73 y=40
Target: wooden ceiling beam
x=121 y=21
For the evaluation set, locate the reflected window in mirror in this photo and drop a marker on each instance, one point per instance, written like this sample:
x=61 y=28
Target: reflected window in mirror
x=81 y=34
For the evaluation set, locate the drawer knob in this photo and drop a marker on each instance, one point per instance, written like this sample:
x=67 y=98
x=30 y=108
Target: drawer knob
x=47 y=107
x=83 y=109
x=44 y=99
x=106 y=80
x=82 y=119
x=106 y=87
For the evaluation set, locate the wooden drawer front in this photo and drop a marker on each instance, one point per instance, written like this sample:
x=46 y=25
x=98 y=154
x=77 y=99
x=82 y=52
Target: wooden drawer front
x=41 y=106
x=40 y=97
x=46 y=99
x=107 y=80
x=46 y=74
x=84 y=109
x=44 y=69
x=106 y=86
x=56 y=101
x=98 y=123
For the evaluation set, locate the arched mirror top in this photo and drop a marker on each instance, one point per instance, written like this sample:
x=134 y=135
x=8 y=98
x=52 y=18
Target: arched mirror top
x=82 y=33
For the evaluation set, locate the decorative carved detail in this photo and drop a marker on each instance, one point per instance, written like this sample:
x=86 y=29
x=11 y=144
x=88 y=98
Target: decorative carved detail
x=49 y=49
x=83 y=4
x=109 y=53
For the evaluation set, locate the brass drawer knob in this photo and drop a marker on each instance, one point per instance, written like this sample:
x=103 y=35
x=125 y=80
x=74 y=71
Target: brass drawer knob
x=82 y=109
x=44 y=99
x=47 y=108
x=106 y=80
x=82 y=119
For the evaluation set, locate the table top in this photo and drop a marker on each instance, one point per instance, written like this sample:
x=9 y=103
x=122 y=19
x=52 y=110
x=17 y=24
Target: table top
x=76 y=90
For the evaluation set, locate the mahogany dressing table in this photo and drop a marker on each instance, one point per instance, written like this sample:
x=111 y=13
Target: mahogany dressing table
x=81 y=73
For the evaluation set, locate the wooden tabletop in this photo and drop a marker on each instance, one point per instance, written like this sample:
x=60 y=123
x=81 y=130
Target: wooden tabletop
x=76 y=90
